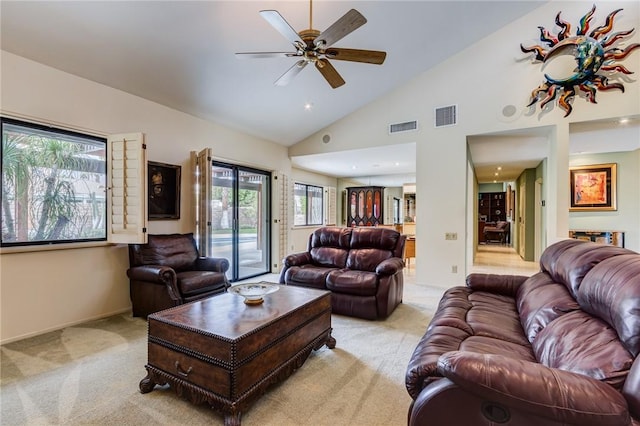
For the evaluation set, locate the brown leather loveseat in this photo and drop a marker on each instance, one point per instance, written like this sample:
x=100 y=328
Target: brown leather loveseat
x=362 y=267
x=168 y=271
x=558 y=348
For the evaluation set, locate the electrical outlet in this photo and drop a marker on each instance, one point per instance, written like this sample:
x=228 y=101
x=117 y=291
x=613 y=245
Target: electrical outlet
x=451 y=236
x=454 y=269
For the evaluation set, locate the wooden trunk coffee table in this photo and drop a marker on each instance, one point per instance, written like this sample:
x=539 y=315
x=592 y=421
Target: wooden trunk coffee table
x=225 y=353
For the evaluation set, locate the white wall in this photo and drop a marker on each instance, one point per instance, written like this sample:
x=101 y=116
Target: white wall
x=482 y=80
x=41 y=291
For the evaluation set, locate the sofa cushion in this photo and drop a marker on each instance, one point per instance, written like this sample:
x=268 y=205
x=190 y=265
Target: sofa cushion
x=492 y=315
x=611 y=291
x=478 y=313
x=366 y=259
x=360 y=283
x=195 y=282
x=331 y=236
x=329 y=257
x=583 y=344
x=492 y=346
x=576 y=260
x=550 y=256
x=328 y=246
x=177 y=251
x=380 y=238
x=540 y=300
x=308 y=276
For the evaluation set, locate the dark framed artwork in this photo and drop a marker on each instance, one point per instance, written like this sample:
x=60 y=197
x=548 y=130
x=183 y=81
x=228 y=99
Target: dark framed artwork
x=164 y=191
x=593 y=188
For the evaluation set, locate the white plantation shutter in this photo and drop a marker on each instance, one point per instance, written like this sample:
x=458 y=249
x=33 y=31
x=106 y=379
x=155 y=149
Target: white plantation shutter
x=127 y=178
x=330 y=201
x=282 y=194
x=202 y=194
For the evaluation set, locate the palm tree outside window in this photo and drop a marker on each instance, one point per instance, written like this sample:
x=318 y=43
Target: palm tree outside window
x=53 y=185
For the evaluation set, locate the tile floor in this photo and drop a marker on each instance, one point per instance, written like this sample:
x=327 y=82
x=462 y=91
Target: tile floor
x=495 y=259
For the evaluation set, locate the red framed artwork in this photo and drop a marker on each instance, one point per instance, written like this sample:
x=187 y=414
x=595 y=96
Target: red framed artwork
x=593 y=188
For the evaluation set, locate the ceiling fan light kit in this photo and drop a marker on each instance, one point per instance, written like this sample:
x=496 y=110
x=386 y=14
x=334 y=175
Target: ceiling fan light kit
x=313 y=46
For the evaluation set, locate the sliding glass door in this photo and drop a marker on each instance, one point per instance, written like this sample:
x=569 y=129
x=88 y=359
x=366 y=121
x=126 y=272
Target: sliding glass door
x=240 y=216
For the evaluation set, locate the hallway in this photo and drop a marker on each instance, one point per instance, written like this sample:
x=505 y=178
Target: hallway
x=498 y=259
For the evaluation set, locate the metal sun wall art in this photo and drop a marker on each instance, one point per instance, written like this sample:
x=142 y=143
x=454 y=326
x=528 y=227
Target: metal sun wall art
x=594 y=53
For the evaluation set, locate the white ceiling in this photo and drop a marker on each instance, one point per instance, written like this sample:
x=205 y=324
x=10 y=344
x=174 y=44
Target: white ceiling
x=385 y=166
x=181 y=54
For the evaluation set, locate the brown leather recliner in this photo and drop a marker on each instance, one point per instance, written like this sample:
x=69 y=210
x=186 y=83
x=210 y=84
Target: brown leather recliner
x=558 y=348
x=168 y=271
x=362 y=267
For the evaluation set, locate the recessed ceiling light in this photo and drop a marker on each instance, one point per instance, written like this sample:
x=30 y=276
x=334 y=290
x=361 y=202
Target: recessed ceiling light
x=496 y=174
x=308 y=106
x=397 y=163
x=354 y=167
x=623 y=121
x=499 y=168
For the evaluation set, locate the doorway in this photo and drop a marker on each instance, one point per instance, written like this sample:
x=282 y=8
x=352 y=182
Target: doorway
x=240 y=216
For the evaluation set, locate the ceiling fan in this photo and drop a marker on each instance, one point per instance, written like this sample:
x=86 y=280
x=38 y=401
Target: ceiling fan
x=313 y=46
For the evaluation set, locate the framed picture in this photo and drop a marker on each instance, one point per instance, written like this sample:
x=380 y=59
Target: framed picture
x=164 y=191
x=593 y=188
x=509 y=202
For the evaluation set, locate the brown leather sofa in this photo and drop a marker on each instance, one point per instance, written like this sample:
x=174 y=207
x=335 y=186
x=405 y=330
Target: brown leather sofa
x=558 y=348
x=362 y=267
x=168 y=271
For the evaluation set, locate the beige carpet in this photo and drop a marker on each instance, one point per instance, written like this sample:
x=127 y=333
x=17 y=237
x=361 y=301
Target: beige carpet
x=89 y=375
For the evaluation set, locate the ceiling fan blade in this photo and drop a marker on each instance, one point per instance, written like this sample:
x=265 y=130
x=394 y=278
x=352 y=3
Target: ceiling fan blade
x=291 y=73
x=282 y=26
x=259 y=55
x=351 y=21
x=329 y=73
x=356 y=55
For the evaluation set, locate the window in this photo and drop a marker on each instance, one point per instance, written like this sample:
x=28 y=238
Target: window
x=307 y=204
x=57 y=187
x=53 y=185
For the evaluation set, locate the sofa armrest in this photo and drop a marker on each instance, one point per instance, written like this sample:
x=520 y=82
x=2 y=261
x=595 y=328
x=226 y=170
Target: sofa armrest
x=495 y=283
x=215 y=264
x=151 y=273
x=297 y=259
x=566 y=397
x=157 y=274
x=390 y=266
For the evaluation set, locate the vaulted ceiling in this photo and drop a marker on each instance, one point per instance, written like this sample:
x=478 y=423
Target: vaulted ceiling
x=182 y=54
